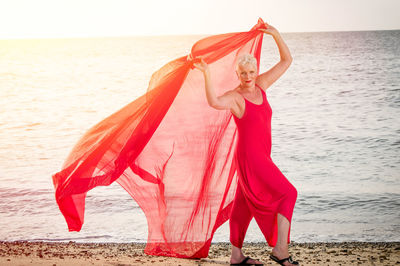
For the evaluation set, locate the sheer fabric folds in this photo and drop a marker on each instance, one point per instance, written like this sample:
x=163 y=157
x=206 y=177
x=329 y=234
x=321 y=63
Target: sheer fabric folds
x=172 y=152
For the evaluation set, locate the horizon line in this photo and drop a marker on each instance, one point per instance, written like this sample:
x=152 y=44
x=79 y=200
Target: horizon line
x=170 y=35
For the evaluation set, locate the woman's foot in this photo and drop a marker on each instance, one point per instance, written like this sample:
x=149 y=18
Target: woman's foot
x=238 y=257
x=281 y=254
x=245 y=261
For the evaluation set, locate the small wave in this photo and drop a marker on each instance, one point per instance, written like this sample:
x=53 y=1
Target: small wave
x=69 y=238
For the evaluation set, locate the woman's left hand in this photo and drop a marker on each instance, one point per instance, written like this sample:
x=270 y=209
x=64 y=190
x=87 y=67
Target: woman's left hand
x=271 y=30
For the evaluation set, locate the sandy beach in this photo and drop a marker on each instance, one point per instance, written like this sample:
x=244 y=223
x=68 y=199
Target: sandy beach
x=48 y=253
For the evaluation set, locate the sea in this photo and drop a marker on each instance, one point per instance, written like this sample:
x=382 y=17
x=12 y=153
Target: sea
x=335 y=131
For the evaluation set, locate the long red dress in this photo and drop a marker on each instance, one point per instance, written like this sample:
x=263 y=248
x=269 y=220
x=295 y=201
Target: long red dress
x=263 y=191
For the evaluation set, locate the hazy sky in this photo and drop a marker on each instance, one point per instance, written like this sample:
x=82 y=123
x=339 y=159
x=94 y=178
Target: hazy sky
x=87 y=18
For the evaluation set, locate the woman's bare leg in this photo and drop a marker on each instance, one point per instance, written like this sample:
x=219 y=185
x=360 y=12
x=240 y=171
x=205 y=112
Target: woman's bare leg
x=281 y=249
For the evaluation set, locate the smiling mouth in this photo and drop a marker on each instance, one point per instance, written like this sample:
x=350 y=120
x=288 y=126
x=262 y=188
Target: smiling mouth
x=248 y=81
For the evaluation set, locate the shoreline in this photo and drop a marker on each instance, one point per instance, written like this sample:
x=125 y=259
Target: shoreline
x=318 y=253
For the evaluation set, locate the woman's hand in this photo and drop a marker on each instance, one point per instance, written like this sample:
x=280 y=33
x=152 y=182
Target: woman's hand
x=199 y=63
x=269 y=30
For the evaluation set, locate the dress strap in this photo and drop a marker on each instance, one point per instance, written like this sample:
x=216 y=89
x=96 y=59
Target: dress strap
x=262 y=92
x=260 y=88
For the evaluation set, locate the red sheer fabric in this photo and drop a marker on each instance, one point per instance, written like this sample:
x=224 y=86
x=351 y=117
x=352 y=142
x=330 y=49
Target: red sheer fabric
x=169 y=150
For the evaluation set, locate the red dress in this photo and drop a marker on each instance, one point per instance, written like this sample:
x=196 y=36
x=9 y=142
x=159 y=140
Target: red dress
x=263 y=191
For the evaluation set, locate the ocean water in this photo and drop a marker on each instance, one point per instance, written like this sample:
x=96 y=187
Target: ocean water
x=335 y=131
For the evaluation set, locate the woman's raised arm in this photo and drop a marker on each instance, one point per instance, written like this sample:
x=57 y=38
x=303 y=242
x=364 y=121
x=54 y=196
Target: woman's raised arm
x=227 y=101
x=266 y=79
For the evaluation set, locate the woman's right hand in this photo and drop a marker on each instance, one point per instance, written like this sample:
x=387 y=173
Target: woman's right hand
x=199 y=63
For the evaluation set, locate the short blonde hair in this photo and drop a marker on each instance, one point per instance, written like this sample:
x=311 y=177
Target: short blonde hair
x=245 y=59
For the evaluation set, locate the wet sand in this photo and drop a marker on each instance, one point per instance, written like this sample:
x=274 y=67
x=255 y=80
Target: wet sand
x=50 y=253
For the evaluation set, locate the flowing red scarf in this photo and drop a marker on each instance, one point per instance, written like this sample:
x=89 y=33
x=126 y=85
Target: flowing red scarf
x=172 y=152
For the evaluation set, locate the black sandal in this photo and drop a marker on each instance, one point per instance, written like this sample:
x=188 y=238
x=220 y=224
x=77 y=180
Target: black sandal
x=244 y=262
x=289 y=259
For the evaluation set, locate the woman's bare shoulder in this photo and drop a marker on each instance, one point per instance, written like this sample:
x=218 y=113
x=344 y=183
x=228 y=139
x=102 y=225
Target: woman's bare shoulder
x=233 y=93
x=237 y=107
x=235 y=97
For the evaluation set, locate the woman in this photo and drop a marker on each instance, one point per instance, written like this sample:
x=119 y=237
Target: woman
x=263 y=192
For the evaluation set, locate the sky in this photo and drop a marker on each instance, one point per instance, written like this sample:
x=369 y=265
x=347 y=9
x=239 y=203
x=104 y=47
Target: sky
x=101 y=18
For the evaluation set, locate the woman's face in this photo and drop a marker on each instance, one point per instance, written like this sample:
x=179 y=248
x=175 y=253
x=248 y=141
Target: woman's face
x=247 y=75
